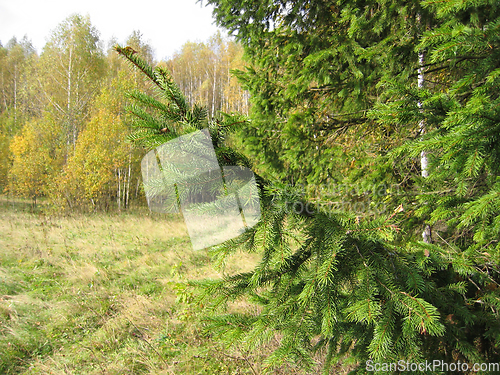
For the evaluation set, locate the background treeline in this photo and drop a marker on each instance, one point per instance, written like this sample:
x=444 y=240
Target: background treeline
x=62 y=117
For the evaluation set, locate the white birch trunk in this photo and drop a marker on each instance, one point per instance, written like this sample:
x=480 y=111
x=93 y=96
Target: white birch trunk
x=424 y=162
x=119 y=194
x=128 y=178
x=15 y=96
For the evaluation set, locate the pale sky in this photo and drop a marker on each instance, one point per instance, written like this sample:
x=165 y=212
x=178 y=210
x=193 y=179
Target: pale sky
x=165 y=24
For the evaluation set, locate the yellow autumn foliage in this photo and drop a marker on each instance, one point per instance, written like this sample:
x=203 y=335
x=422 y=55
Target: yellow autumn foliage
x=35 y=159
x=89 y=179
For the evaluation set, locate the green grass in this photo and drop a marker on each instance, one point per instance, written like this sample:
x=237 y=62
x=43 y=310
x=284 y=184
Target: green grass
x=95 y=294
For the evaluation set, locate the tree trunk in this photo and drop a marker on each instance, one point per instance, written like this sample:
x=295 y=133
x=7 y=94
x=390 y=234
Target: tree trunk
x=118 y=195
x=4 y=95
x=137 y=187
x=15 y=100
x=128 y=178
x=424 y=162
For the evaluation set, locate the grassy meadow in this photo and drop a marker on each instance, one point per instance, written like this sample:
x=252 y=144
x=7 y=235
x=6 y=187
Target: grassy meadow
x=96 y=294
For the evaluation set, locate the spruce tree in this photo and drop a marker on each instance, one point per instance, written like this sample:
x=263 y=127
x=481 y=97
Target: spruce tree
x=358 y=287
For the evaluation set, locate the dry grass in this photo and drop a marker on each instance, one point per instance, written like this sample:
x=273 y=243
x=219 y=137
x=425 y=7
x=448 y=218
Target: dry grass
x=96 y=294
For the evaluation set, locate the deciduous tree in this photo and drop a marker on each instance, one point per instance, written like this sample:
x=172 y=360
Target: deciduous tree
x=99 y=172
x=203 y=71
x=71 y=66
x=35 y=153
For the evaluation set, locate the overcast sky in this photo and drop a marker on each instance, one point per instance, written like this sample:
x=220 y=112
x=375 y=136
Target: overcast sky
x=165 y=24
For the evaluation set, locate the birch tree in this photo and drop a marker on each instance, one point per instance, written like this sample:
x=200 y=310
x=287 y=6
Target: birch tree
x=72 y=65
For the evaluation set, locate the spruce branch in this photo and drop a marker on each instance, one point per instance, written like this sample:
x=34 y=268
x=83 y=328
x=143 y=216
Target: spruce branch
x=131 y=55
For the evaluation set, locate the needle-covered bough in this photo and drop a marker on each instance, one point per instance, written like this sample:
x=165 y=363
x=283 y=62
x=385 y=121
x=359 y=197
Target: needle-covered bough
x=331 y=285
